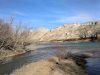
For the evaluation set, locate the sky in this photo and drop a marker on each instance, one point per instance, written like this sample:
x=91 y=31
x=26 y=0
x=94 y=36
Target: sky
x=50 y=13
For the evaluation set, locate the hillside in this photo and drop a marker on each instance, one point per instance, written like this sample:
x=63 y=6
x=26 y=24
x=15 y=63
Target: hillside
x=62 y=32
x=67 y=32
x=35 y=35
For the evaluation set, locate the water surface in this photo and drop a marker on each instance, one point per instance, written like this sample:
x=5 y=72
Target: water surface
x=47 y=50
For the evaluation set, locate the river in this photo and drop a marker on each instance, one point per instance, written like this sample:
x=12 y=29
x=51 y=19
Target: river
x=47 y=50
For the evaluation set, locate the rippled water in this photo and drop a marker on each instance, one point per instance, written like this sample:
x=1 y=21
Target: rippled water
x=46 y=50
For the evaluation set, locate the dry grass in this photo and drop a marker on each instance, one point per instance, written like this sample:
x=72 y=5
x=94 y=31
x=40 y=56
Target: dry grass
x=78 y=58
x=50 y=67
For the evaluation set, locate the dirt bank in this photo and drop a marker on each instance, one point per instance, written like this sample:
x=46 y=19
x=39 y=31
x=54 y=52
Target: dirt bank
x=51 y=67
x=6 y=55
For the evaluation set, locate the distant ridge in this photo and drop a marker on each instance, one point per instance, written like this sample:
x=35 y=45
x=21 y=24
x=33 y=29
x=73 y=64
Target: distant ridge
x=65 y=32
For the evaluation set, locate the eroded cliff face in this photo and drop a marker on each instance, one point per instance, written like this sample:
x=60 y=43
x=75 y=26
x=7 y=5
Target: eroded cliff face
x=66 y=31
x=61 y=33
x=35 y=35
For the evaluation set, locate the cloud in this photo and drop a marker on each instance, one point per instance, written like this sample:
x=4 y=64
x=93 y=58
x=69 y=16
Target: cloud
x=76 y=18
x=80 y=18
x=19 y=13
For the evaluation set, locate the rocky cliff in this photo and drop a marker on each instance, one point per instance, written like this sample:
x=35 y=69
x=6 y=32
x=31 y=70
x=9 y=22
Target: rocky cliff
x=62 y=32
x=35 y=35
x=67 y=31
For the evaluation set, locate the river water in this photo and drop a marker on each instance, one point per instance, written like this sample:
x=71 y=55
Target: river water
x=47 y=50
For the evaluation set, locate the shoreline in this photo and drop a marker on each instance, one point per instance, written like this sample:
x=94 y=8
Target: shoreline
x=11 y=55
x=71 y=40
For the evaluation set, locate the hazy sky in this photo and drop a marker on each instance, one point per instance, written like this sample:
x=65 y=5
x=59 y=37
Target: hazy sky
x=50 y=13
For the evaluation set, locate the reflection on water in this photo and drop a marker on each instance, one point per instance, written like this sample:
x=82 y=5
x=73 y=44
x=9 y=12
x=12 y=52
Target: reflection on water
x=47 y=50
x=93 y=65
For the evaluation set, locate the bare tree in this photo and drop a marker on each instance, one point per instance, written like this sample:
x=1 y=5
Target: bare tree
x=13 y=38
x=5 y=34
x=83 y=31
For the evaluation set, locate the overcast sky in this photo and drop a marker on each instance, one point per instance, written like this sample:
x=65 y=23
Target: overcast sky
x=50 y=13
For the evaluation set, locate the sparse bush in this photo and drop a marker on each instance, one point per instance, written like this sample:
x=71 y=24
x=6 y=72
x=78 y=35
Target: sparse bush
x=78 y=58
x=89 y=31
x=63 y=54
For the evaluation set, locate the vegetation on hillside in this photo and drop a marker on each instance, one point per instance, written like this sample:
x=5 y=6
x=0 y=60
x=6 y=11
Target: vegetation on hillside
x=89 y=31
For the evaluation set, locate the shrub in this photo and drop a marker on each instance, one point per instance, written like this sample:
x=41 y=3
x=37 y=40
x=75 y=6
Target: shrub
x=78 y=58
x=63 y=54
